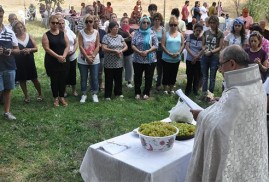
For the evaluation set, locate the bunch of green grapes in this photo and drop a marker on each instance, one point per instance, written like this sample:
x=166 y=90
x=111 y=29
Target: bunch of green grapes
x=185 y=129
x=157 y=129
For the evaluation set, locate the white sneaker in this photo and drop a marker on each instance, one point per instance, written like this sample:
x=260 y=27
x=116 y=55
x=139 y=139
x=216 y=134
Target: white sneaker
x=9 y=116
x=165 y=92
x=108 y=99
x=137 y=97
x=129 y=85
x=95 y=98
x=83 y=98
x=121 y=96
x=145 y=97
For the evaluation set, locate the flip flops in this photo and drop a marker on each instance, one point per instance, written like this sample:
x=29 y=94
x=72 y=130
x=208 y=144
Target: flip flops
x=39 y=98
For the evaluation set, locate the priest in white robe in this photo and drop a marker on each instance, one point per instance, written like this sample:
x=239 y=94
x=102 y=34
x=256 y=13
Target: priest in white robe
x=231 y=138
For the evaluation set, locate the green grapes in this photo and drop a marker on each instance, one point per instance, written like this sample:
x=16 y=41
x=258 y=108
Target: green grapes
x=185 y=129
x=157 y=129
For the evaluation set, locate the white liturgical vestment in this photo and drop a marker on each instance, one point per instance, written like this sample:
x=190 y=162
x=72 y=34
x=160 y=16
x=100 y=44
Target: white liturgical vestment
x=231 y=138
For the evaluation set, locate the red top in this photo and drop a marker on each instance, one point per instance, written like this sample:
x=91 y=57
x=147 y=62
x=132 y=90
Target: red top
x=185 y=12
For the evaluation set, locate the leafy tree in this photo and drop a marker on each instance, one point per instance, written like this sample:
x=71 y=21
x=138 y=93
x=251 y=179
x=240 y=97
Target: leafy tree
x=258 y=9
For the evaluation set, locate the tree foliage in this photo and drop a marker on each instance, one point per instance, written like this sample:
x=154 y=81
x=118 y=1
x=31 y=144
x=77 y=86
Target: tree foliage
x=258 y=9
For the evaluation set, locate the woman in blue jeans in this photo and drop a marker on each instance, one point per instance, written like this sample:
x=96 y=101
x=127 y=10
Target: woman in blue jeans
x=88 y=59
x=212 y=44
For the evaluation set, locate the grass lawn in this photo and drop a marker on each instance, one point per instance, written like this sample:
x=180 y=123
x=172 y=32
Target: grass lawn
x=48 y=144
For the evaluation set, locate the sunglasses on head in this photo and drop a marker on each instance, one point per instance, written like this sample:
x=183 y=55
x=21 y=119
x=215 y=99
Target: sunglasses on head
x=88 y=21
x=173 y=25
x=54 y=23
x=145 y=22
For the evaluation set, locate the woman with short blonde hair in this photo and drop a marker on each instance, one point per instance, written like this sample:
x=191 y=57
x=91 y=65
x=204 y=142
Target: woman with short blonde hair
x=173 y=45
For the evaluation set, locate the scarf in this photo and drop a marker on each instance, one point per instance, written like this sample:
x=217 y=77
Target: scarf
x=147 y=38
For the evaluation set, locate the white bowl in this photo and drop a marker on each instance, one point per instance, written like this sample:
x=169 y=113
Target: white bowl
x=158 y=143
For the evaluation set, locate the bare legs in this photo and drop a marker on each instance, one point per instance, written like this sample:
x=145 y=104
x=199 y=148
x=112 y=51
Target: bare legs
x=25 y=90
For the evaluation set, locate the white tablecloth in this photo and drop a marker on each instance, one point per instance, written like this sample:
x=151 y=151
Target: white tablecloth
x=136 y=164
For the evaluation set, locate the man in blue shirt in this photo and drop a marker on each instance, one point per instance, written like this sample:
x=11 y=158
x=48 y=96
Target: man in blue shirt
x=8 y=47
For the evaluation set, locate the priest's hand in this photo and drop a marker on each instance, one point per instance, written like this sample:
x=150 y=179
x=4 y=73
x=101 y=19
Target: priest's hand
x=195 y=113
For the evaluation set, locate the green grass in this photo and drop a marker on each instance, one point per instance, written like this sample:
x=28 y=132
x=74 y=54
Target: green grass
x=48 y=144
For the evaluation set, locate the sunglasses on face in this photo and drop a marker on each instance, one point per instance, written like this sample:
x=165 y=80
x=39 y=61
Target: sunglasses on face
x=173 y=25
x=54 y=23
x=88 y=21
x=145 y=22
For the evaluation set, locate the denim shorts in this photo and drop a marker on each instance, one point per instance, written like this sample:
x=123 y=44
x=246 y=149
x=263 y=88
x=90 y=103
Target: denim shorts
x=7 y=80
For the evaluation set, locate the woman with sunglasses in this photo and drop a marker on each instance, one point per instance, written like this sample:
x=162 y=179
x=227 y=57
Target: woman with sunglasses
x=212 y=44
x=71 y=74
x=88 y=59
x=113 y=46
x=172 y=45
x=144 y=44
x=237 y=35
x=257 y=54
x=25 y=61
x=195 y=51
x=56 y=45
x=160 y=31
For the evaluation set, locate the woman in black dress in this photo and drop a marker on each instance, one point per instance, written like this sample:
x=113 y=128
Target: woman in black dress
x=56 y=45
x=25 y=61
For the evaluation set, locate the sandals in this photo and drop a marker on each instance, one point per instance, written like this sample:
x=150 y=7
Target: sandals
x=26 y=100
x=56 y=102
x=63 y=102
x=75 y=93
x=39 y=98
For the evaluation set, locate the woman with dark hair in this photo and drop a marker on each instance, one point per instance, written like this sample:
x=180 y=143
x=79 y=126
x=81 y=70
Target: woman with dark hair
x=144 y=44
x=127 y=33
x=195 y=51
x=257 y=54
x=25 y=61
x=237 y=34
x=56 y=45
x=212 y=44
x=113 y=46
x=160 y=31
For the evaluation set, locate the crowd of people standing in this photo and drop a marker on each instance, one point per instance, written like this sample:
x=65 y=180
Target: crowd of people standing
x=228 y=147
x=109 y=47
